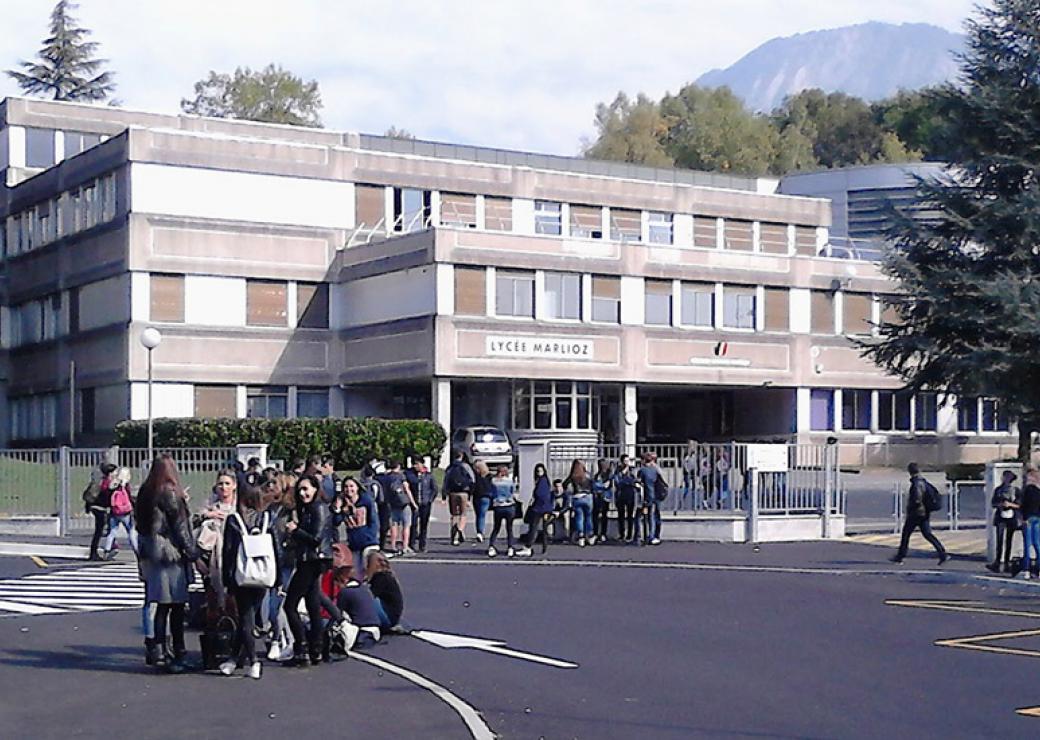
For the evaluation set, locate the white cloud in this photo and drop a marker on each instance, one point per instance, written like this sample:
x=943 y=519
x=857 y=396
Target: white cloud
x=523 y=75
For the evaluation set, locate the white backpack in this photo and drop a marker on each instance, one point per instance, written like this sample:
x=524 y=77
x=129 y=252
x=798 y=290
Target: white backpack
x=255 y=566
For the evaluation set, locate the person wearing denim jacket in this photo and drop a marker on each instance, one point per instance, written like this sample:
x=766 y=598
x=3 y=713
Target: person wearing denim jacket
x=1030 y=511
x=651 y=509
x=579 y=487
x=602 y=495
x=625 y=495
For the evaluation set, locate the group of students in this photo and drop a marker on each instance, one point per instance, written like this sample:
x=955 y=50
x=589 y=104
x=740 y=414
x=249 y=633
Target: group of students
x=1017 y=510
x=581 y=502
x=264 y=542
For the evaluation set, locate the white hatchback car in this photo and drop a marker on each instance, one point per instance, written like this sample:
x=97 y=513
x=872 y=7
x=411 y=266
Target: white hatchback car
x=489 y=444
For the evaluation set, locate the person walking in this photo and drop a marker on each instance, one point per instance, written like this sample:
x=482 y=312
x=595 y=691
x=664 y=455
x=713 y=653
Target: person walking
x=120 y=512
x=166 y=551
x=602 y=494
x=503 y=507
x=921 y=501
x=1006 y=520
x=540 y=507
x=651 y=508
x=402 y=507
x=425 y=490
x=690 y=465
x=248 y=519
x=481 y=493
x=95 y=501
x=625 y=494
x=458 y=483
x=1030 y=511
x=311 y=532
x=579 y=486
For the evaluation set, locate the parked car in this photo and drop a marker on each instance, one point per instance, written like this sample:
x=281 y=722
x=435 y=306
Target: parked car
x=486 y=443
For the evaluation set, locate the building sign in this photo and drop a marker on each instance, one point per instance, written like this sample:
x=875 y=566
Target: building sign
x=767 y=458
x=539 y=348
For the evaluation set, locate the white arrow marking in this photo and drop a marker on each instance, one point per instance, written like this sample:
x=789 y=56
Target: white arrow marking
x=448 y=641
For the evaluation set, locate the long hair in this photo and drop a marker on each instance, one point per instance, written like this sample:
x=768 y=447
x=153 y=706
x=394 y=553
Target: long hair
x=377 y=563
x=315 y=483
x=163 y=474
x=248 y=500
x=578 y=472
x=540 y=472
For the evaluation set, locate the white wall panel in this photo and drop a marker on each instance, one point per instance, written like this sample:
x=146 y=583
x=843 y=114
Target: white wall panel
x=140 y=296
x=169 y=400
x=801 y=310
x=388 y=297
x=214 y=301
x=104 y=302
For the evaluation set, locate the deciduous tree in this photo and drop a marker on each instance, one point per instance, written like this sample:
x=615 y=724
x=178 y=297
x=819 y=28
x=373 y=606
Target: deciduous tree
x=273 y=95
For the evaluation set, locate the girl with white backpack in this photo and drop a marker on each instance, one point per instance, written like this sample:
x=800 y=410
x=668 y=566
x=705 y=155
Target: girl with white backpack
x=251 y=565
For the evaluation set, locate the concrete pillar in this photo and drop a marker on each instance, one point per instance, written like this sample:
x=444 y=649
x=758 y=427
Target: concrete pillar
x=946 y=416
x=629 y=417
x=803 y=410
x=440 y=404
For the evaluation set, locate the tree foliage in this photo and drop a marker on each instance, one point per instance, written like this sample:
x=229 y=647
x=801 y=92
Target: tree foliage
x=272 y=95
x=630 y=132
x=970 y=320
x=66 y=67
x=398 y=133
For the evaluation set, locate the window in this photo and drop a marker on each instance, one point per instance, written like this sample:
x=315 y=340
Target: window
x=167 y=298
x=459 y=209
x=269 y=402
x=562 y=296
x=312 y=403
x=559 y=405
x=772 y=238
x=498 y=213
x=514 y=294
x=926 y=412
x=858 y=310
x=738 y=307
x=894 y=411
x=968 y=414
x=805 y=240
x=312 y=305
x=87 y=411
x=821 y=312
x=412 y=209
x=821 y=410
x=994 y=418
x=369 y=205
x=39 y=147
x=470 y=291
x=626 y=225
x=777 y=309
x=606 y=299
x=266 y=302
x=705 y=232
x=739 y=235
x=547 y=217
x=77 y=142
x=658 y=302
x=659 y=227
x=586 y=222
x=216 y=401
x=698 y=304
x=73 y=310
x=855 y=409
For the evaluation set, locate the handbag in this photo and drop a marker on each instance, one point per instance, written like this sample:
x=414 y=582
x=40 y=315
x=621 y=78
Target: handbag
x=218 y=644
x=255 y=565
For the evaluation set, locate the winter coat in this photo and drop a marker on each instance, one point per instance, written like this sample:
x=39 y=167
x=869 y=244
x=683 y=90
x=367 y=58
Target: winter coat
x=233 y=540
x=315 y=533
x=170 y=539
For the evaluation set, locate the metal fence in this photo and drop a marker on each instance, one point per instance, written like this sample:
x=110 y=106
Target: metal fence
x=50 y=482
x=715 y=477
x=965 y=506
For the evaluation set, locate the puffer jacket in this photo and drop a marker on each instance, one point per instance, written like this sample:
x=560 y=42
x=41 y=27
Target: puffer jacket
x=233 y=540
x=170 y=539
x=315 y=533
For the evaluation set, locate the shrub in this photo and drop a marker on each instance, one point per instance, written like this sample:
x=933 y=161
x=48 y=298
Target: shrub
x=966 y=471
x=353 y=441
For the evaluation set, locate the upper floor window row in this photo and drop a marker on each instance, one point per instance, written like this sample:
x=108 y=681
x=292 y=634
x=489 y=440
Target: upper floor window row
x=45 y=147
x=76 y=210
x=268 y=302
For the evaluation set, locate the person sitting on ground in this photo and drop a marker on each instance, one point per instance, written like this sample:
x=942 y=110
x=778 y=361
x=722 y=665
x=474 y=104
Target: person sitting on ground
x=386 y=589
x=562 y=507
x=356 y=602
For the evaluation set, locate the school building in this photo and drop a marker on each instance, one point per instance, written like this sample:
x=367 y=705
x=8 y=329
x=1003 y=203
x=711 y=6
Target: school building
x=306 y=272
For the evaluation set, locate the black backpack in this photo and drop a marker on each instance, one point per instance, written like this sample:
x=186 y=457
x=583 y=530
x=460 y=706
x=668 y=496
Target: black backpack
x=398 y=496
x=930 y=497
x=660 y=487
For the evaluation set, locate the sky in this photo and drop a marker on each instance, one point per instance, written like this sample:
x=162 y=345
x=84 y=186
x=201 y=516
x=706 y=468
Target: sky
x=517 y=74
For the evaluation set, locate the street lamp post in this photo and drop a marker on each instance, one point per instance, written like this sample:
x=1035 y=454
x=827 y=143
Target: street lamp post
x=150 y=339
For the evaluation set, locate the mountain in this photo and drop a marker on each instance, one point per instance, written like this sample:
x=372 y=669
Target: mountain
x=870 y=60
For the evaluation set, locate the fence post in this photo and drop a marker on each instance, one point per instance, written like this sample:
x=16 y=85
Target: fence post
x=897 y=509
x=828 y=489
x=63 y=490
x=752 y=533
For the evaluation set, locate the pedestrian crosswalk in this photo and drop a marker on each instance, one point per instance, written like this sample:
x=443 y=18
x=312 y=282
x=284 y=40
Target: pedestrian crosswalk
x=92 y=588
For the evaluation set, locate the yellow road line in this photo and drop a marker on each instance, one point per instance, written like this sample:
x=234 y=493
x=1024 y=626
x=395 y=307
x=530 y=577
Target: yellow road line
x=39 y=561
x=1028 y=711
x=974 y=607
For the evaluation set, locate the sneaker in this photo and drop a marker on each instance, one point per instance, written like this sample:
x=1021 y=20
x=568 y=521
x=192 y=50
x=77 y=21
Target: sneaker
x=896 y=559
x=480 y=536
x=228 y=667
x=581 y=542
x=256 y=670
x=593 y=540
x=492 y=552
x=511 y=552
x=408 y=551
x=943 y=558
x=524 y=552
x=655 y=541
x=1026 y=575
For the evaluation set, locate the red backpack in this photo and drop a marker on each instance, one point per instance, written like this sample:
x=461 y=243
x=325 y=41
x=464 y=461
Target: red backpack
x=121 y=503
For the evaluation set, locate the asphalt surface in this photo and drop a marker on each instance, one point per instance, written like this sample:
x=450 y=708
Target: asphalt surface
x=677 y=641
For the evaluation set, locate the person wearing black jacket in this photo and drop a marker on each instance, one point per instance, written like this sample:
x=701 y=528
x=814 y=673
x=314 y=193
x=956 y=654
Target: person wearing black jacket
x=1030 y=510
x=311 y=531
x=247 y=598
x=1005 y=520
x=425 y=490
x=458 y=483
x=97 y=499
x=918 y=517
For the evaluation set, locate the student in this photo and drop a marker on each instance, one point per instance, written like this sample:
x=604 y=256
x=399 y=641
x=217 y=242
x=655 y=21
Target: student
x=1030 y=511
x=402 y=505
x=329 y=483
x=311 y=533
x=602 y=493
x=166 y=553
x=424 y=488
x=281 y=512
x=95 y=500
x=1005 y=503
x=482 y=491
x=247 y=519
x=356 y=602
x=625 y=481
x=359 y=513
x=648 y=475
x=458 y=483
x=579 y=485
x=918 y=517
x=503 y=507
x=690 y=466
x=389 y=599
x=120 y=512
x=563 y=526
x=541 y=505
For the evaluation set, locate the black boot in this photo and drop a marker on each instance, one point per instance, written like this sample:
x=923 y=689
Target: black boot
x=151 y=651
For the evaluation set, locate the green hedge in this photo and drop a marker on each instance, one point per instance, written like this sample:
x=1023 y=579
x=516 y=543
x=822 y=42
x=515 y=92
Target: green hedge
x=353 y=441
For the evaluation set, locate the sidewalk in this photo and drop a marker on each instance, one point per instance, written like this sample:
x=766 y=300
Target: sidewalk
x=968 y=543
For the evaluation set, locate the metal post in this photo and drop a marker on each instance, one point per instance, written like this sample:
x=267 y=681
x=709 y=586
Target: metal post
x=752 y=534
x=828 y=489
x=72 y=403
x=150 y=438
x=63 y=491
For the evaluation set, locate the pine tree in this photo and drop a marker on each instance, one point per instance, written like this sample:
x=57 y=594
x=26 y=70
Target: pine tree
x=67 y=68
x=968 y=265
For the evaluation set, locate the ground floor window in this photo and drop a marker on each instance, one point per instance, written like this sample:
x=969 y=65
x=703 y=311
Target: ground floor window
x=926 y=412
x=267 y=402
x=821 y=410
x=312 y=403
x=554 y=405
x=855 y=409
x=894 y=411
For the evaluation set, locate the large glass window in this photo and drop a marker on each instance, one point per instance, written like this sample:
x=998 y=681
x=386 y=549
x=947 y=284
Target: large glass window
x=266 y=303
x=658 y=302
x=78 y=141
x=659 y=226
x=994 y=418
x=514 y=294
x=459 y=209
x=39 y=147
x=894 y=411
x=547 y=217
x=926 y=412
x=606 y=299
x=586 y=222
x=312 y=305
x=267 y=402
x=552 y=405
x=821 y=410
x=698 y=304
x=855 y=409
x=498 y=213
x=167 y=298
x=562 y=296
x=626 y=225
x=968 y=414
x=216 y=401
x=312 y=403
x=412 y=209
x=738 y=307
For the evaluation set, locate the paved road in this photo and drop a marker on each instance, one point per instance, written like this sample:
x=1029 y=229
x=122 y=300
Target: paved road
x=683 y=641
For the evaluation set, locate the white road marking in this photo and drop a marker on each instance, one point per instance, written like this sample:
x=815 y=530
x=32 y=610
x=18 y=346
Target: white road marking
x=19 y=608
x=476 y=725
x=449 y=641
x=74 y=552
x=65 y=591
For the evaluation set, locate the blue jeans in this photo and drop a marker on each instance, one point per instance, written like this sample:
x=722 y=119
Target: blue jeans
x=481 y=506
x=113 y=523
x=653 y=520
x=1031 y=539
x=384 y=620
x=582 y=515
